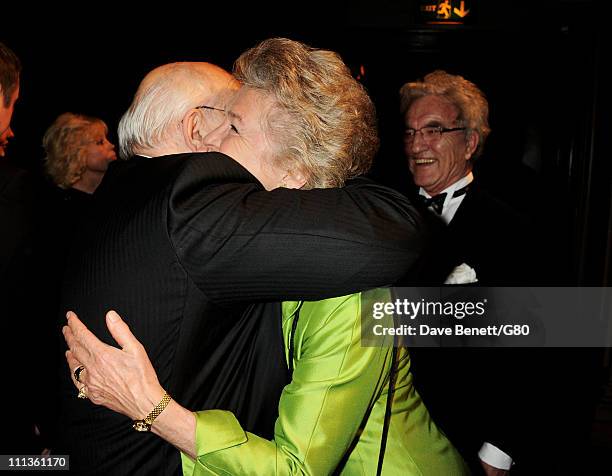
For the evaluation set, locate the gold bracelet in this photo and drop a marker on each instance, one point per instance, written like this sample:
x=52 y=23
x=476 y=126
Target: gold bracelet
x=145 y=425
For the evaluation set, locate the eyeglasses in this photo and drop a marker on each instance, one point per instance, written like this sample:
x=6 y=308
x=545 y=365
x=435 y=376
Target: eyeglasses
x=211 y=108
x=213 y=120
x=429 y=133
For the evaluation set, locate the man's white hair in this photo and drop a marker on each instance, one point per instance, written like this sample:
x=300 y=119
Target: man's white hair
x=163 y=98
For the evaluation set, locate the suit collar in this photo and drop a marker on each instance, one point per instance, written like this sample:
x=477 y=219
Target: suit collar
x=454 y=195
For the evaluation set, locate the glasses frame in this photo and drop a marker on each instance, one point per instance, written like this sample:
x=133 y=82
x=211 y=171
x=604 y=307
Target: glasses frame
x=439 y=130
x=210 y=107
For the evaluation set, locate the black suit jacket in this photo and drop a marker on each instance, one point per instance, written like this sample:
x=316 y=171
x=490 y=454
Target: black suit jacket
x=486 y=234
x=17 y=201
x=533 y=403
x=181 y=246
x=479 y=394
x=19 y=324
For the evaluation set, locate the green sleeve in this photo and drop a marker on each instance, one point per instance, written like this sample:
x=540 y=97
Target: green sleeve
x=334 y=383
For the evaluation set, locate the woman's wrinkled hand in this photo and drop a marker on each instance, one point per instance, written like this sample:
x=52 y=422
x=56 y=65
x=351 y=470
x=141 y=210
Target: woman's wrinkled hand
x=122 y=379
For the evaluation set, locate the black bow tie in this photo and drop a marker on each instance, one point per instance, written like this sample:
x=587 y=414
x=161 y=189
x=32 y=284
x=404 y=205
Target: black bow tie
x=437 y=202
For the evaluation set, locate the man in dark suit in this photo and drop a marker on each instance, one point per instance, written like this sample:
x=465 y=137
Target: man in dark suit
x=17 y=227
x=504 y=409
x=446 y=125
x=181 y=243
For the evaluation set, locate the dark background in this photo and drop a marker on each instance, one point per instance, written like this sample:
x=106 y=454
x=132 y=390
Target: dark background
x=540 y=63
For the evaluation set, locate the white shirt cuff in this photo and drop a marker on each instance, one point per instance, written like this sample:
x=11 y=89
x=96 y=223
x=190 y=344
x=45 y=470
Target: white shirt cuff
x=495 y=457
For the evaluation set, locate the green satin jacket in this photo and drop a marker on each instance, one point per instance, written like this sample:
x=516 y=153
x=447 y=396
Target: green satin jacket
x=331 y=414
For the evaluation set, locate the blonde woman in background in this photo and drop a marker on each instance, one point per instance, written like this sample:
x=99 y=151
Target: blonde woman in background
x=77 y=156
x=78 y=152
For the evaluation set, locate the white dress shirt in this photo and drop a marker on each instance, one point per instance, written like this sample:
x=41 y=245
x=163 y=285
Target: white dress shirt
x=451 y=204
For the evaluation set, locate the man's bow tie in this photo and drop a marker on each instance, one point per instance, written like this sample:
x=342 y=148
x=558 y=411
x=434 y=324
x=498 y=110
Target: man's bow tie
x=437 y=202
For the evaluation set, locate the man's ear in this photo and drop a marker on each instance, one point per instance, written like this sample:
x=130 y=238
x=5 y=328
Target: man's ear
x=471 y=144
x=191 y=128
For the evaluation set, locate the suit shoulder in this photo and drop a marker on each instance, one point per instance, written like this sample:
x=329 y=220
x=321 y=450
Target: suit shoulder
x=491 y=207
x=214 y=167
x=142 y=175
x=137 y=176
x=367 y=184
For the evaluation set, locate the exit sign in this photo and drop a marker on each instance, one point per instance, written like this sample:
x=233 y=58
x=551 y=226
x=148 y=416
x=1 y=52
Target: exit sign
x=452 y=12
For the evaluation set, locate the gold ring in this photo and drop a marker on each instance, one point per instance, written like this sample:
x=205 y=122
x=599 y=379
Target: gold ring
x=82 y=392
x=77 y=373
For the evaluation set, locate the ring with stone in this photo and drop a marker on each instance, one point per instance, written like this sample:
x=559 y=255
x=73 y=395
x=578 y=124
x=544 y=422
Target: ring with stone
x=83 y=392
x=77 y=373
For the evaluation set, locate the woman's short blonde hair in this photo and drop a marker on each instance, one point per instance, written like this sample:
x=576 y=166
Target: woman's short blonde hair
x=324 y=122
x=64 y=142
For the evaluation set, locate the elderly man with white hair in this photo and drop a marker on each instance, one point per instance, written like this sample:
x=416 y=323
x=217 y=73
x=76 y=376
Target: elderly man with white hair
x=183 y=241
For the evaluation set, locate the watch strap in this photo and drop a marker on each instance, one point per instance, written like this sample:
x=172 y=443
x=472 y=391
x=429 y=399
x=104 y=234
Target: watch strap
x=145 y=424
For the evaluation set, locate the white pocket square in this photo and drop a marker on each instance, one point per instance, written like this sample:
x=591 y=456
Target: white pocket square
x=462 y=274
